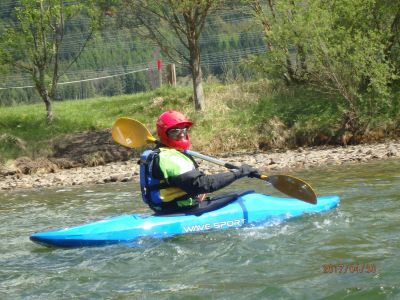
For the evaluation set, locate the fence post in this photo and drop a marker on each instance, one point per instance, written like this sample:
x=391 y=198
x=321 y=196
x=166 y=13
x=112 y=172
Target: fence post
x=159 y=72
x=171 y=74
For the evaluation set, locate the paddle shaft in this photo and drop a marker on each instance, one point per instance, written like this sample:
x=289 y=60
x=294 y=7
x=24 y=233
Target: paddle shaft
x=218 y=162
x=211 y=159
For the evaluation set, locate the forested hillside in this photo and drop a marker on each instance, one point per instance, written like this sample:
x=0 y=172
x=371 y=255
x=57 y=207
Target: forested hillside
x=120 y=61
x=330 y=70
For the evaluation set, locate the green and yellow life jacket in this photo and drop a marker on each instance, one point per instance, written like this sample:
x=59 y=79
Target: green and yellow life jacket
x=158 y=192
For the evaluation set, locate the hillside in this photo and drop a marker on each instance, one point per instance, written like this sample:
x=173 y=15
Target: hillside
x=118 y=60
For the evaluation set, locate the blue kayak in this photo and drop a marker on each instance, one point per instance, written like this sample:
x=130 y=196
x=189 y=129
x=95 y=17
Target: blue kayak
x=242 y=209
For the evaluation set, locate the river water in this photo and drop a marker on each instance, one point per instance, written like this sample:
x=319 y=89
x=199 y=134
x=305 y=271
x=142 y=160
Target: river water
x=349 y=253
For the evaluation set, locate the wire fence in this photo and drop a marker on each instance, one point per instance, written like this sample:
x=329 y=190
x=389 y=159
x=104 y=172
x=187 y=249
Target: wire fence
x=124 y=71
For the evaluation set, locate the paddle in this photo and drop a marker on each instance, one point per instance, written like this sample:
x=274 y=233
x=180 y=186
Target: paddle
x=133 y=134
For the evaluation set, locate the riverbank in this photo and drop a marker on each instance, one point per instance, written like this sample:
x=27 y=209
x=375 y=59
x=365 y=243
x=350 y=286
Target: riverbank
x=269 y=162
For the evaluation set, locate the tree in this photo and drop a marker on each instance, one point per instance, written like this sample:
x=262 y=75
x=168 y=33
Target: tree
x=270 y=16
x=176 y=26
x=345 y=47
x=33 y=43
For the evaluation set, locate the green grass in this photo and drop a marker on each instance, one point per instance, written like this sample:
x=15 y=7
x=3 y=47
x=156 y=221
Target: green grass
x=305 y=112
x=237 y=117
x=28 y=122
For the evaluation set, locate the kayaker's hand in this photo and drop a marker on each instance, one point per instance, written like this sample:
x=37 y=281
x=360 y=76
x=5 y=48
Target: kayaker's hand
x=246 y=170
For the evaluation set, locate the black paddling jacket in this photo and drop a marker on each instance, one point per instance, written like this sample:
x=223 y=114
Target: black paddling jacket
x=170 y=180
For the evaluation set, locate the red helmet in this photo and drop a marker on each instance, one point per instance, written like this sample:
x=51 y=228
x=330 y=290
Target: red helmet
x=173 y=119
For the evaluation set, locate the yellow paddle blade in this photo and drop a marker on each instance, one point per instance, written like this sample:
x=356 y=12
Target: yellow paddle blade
x=292 y=187
x=131 y=133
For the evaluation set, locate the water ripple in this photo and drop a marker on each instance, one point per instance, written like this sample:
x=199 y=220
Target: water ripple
x=281 y=260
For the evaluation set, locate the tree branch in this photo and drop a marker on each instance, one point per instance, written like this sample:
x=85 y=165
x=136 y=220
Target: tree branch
x=395 y=28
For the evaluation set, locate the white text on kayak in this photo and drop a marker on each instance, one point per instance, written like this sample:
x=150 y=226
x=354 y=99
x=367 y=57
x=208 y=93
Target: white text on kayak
x=216 y=225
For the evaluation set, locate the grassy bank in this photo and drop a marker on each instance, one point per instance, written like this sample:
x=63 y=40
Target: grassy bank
x=237 y=117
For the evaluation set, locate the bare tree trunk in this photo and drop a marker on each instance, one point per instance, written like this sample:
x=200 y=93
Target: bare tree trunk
x=38 y=78
x=197 y=85
x=196 y=72
x=49 y=107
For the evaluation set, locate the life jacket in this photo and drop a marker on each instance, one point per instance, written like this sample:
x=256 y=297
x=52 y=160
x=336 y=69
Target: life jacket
x=158 y=193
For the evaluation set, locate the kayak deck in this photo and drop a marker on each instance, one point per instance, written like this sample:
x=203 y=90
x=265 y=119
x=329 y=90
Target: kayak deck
x=249 y=209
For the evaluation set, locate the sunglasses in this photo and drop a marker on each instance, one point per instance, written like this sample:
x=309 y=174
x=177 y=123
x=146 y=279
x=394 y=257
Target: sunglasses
x=175 y=132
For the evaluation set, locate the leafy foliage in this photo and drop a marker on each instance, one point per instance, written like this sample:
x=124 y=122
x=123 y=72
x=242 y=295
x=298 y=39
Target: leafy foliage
x=339 y=61
x=340 y=47
x=33 y=43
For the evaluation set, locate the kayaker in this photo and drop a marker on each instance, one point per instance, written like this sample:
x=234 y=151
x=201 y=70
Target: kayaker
x=170 y=179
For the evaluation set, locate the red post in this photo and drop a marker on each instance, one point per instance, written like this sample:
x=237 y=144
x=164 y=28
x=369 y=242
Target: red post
x=159 y=72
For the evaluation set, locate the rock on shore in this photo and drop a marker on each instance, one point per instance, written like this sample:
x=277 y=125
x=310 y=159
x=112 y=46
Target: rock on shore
x=271 y=162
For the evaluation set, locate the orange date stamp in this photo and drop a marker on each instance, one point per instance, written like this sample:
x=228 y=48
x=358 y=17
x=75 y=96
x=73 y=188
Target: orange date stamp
x=349 y=268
